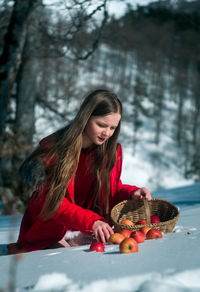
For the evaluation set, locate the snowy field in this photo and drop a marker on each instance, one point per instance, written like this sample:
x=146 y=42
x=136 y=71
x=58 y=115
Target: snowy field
x=171 y=263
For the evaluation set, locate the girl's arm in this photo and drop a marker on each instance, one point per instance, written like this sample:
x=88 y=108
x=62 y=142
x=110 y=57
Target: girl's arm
x=83 y=220
x=76 y=217
x=120 y=191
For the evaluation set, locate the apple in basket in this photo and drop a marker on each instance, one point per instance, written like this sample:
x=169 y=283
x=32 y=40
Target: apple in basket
x=141 y=221
x=126 y=233
x=154 y=219
x=97 y=246
x=139 y=236
x=128 y=245
x=116 y=238
x=127 y=222
x=154 y=233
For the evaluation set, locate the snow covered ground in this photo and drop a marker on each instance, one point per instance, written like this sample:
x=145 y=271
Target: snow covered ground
x=168 y=264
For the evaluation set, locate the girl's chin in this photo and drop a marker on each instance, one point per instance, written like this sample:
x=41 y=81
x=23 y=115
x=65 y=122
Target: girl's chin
x=100 y=142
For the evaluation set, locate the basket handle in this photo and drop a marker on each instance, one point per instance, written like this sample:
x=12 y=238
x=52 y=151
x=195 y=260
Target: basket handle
x=146 y=209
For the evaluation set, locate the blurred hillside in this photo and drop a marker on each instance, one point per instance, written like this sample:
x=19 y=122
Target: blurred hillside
x=149 y=57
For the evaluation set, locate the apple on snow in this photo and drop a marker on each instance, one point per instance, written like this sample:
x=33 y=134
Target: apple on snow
x=126 y=233
x=116 y=238
x=145 y=229
x=154 y=233
x=128 y=245
x=139 y=236
x=97 y=246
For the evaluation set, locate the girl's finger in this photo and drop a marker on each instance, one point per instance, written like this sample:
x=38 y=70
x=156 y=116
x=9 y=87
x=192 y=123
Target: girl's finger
x=101 y=236
x=107 y=233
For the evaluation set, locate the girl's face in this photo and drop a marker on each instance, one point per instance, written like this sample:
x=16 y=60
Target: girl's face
x=100 y=128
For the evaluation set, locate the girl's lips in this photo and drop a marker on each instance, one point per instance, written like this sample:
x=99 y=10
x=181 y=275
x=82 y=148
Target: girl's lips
x=101 y=139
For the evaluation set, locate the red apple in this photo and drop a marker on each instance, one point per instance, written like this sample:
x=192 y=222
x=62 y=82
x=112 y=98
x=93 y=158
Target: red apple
x=128 y=245
x=153 y=233
x=154 y=219
x=141 y=221
x=97 y=246
x=126 y=233
x=116 y=238
x=139 y=236
x=145 y=229
x=127 y=222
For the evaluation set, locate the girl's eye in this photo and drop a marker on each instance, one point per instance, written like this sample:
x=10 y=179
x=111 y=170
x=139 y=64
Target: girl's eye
x=105 y=126
x=101 y=125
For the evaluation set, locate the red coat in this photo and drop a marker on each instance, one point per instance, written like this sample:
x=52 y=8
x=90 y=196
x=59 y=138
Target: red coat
x=74 y=212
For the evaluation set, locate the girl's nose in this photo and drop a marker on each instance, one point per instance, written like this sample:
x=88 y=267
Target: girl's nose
x=106 y=132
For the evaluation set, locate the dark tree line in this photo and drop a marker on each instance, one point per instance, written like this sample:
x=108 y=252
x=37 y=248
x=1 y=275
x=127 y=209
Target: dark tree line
x=154 y=64
x=166 y=42
x=150 y=57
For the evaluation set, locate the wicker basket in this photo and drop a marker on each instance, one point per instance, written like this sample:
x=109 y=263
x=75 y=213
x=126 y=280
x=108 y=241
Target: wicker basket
x=135 y=210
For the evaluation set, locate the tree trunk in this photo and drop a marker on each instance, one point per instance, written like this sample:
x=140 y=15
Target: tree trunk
x=25 y=104
x=179 y=134
x=10 y=61
x=11 y=55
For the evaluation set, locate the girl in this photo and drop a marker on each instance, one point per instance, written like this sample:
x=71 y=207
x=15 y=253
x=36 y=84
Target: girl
x=75 y=173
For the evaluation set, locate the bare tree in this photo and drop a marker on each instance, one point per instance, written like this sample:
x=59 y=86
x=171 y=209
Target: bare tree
x=64 y=32
x=10 y=58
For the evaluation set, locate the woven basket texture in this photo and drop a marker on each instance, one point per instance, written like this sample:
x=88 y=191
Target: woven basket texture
x=135 y=210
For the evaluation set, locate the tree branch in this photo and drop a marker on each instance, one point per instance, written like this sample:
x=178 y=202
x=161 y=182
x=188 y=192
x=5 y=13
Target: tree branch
x=49 y=106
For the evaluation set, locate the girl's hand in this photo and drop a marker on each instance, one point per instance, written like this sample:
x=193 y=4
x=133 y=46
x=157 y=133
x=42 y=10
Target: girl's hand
x=140 y=193
x=102 y=231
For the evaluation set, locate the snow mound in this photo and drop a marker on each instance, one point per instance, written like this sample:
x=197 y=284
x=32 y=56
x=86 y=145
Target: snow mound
x=54 y=282
x=170 y=281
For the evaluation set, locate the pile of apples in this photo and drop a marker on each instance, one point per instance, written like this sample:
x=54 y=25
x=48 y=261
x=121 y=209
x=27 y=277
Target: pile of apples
x=128 y=240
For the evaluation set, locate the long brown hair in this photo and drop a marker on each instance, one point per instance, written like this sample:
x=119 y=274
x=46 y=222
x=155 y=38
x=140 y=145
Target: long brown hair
x=67 y=144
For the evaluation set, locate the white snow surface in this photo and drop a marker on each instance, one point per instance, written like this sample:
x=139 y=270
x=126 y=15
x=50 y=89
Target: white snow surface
x=171 y=263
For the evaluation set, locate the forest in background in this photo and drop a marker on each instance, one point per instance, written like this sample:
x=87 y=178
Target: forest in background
x=149 y=57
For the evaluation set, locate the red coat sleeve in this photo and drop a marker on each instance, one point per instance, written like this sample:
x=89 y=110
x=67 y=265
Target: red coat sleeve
x=76 y=217
x=119 y=191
